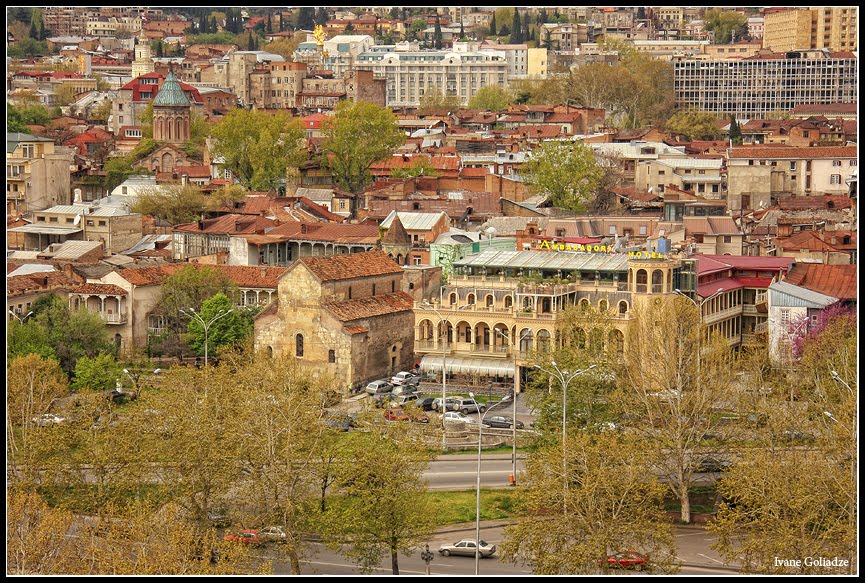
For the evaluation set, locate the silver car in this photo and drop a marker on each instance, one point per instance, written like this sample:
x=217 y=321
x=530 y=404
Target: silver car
x=378 y=387
x=466 y=548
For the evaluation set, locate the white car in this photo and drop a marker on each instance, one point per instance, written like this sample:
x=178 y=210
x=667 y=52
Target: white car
x=272 y=533
x=404 y=378
x=456 y=416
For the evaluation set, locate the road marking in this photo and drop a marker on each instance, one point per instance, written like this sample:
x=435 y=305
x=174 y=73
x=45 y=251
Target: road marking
x=710 y=558
x=355 y=566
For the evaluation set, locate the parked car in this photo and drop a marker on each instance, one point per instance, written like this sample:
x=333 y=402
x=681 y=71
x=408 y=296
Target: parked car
x=247 y=537
x=713 y=465
x=405 y=378
x=628 y=560
x=272 y=533
x=376 y=387
x=341 y=421
x=466 y=548
x=406 y=390
x=397 y=414
x=382 y=399
x=450 y=404
x=48 y=419
x=503 y=422
x=457 y=416
x=218 y=517
x=401 y=400
x=425 y=404
x=466 y=406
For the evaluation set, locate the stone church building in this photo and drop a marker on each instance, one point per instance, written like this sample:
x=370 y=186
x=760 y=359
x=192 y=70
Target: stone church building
x=345 y=315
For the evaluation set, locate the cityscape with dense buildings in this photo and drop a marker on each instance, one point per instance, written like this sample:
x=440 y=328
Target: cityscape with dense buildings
x=331 y=290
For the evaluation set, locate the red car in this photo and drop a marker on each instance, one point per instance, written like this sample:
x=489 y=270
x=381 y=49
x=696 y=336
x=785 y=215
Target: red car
x=628 y=560
x=394 y=414
x=247 y=537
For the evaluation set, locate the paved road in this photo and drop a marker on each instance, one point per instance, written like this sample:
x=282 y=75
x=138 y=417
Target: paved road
x=460 y=471
x=693 y=552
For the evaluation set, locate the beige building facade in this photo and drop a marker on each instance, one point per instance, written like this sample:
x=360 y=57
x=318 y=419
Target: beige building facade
x=830 y=27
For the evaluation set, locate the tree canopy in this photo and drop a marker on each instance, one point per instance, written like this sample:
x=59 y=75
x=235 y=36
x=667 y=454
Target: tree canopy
x=173 y=203
x=357 y=135
x=227 y=331
x=694 y=125
x=191 y=287
x=566 y=172
x=724 y=24
x=491 y=98
x=258 y=147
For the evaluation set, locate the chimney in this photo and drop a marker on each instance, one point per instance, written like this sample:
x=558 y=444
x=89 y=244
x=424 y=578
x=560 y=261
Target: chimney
x=201 y=225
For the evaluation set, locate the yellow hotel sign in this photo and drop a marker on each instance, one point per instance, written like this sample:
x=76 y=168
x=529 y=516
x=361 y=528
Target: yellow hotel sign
x=547 y=246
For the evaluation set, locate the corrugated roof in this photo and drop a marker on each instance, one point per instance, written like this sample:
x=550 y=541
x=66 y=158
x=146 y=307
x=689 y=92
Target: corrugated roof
x=74 y=249
x=832 y=280
x=46 y=230
x=730 y=283
x=479 y=366
x=782 y=293
x=29 y=268
x=415 y=221
x=562 y=260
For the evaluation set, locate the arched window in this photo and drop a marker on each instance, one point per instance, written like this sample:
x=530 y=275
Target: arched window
x=453 y=299
x=642 y=281
x=298 y=345
x=603 y=305
x=543 y=341
x=584 y=304
x=490 y=300
x=509 y=301
x=270 y=352
x=657 y=281
x=623 y=308
x=470 y=300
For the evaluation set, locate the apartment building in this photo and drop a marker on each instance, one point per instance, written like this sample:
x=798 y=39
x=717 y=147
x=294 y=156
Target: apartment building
x=830 y=27
x=756 y=175
x=410 y=74
x=698 y=175
x=37 y=175
x=566 y=37
x=752 y=87
x=66 y=20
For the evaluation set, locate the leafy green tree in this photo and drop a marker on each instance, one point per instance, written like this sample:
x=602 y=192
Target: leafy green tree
x=258 y=147
x=321 y=16
x=33 y=384
x=434 y=100
x=286 y=46
x=607 y=501
x=420 y=167
x=357 y=135
x=491 y=98
x=493 y=25
x=566 y=172
x=724 y=24
x=23 y=339
x=28 y=48
x=19 y=116
x=190 y=287
x=694 y=125
x=96 y=374
x=227 y=331
x=174 y=203
x=384 y=510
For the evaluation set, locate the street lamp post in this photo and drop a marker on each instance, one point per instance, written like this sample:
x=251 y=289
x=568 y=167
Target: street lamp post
x=135 y=378
x=206 y=324
x=478 y=501
x=19 y=318
x=516 y=346
x=565 y=377
x=443 y=320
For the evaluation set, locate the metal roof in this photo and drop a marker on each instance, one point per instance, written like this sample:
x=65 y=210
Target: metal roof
x=46 y=230
x=74 y=249
x=474 y=365
x=29 y=268
x=86 y=209
x=547 y=260
x=788 y=295
x=171 y=94
x=415 y=221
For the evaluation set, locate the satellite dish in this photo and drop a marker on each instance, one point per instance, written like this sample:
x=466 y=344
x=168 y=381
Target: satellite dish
x=77 y=220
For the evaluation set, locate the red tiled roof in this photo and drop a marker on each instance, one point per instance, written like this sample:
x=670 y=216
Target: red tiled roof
x=371 y=307
x=331 y=232
x=228 y=225
x=814 y=202
x=828 y=107
x=838 y=281
x=193 y=171
x=255 y=276
x=808 y=240
x=99 y=289
x=151 y=275
x=21 y=284
x=539 y=131
x=355 y=329
x=792 y=152
x=355 y=265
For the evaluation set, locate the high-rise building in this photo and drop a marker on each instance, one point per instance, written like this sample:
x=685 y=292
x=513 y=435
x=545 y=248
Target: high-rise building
x=752 y=87
x=830 y=27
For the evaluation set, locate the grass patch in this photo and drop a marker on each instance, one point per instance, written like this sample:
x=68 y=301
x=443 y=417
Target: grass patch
x=459 y=507
x=89 y=498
